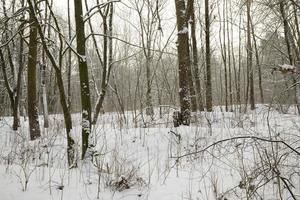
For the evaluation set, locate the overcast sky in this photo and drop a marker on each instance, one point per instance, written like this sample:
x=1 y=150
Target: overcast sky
x=125 y=15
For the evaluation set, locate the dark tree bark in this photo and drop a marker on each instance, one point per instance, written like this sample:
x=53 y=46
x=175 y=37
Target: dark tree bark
x=6 y=81
x=33 y=115
x=60 y=84
x=249 y=57
x=208 y=59
x=183 y=61
x=69 y=59
x=83 y=76
x=238 y=71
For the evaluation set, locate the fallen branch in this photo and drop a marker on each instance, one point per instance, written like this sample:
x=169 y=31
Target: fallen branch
x=240 y=137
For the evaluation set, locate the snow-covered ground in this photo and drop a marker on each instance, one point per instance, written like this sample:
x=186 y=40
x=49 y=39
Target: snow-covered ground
x=141 y=158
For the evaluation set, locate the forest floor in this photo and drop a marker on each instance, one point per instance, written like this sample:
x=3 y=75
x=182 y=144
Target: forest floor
x=222 y=155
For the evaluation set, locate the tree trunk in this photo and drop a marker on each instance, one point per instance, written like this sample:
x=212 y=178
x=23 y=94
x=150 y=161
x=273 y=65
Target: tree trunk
x=238 y=72
x=184 y=62
x=195 y=61
x=33 y=115
x=258 y=65
x=222 y=32
x=207 y=59
x=83 y=77
x=249 y=57
x=107 y=59
x=60 y=84
x=287 y=36
x=149 y=109
x=99 y=104
x=189 y=15
x=69 y=60
x=229 y=60
x=44 y=94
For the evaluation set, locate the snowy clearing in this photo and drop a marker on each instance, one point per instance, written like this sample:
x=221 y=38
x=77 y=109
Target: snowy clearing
x=134 y=159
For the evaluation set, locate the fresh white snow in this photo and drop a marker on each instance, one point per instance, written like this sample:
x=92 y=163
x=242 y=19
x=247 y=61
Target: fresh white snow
x=141 y=153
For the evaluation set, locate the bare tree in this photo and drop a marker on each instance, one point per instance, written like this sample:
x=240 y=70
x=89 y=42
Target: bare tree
x=290 y=47
x=83 y=76
x=33 y=115
x=208 y=59
x=69 y=58
x=250 y=70
x=106 y=61
x=183 y=62
x=196 y=60
x=13 y=88
x=58 y=73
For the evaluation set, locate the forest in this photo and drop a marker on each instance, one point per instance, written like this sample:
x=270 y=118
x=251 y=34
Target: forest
x=149 y=99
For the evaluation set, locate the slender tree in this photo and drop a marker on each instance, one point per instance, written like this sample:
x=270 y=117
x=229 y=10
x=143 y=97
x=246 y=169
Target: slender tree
x=208 y=58
x=249 y=56
x=69 y=61
x=107 y=18
x=258 y=65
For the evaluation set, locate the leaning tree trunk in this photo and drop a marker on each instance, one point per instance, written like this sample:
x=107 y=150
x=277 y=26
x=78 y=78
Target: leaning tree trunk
x=184 y=62
x=83 y=77
x=107 y=59
x=99 y=104
x=69 y=60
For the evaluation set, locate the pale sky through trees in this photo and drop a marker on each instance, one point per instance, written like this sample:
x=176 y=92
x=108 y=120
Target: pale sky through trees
x=127 y=16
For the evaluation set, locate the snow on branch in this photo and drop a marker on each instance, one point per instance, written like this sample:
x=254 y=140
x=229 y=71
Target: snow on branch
x=285 y=69
x=185 y=30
